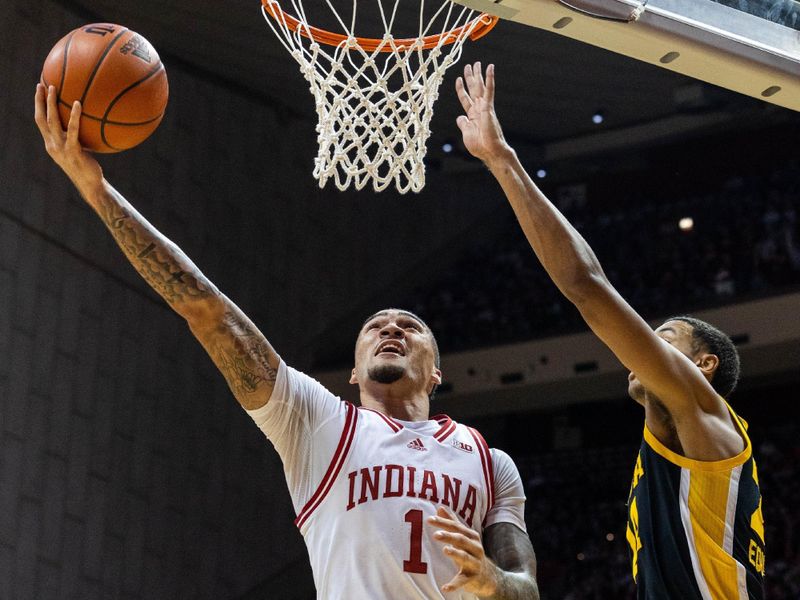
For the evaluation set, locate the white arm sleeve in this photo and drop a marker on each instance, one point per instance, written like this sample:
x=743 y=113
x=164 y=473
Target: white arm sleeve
x=509 y=495
x=304 y=422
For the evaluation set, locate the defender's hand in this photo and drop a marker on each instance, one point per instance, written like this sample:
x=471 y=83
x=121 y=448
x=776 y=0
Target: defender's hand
x=63 y=146
x=481 y=131
x=476 y=573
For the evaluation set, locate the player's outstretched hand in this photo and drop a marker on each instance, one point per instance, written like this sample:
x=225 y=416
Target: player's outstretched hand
x=483 y=136
x=63 y=146
x=476 y=572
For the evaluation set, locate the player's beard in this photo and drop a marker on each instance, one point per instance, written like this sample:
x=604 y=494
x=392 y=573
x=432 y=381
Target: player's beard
x=386 y=373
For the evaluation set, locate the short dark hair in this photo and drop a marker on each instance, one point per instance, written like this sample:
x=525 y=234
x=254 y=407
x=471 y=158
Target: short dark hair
x=710 y=339
x=436 y=357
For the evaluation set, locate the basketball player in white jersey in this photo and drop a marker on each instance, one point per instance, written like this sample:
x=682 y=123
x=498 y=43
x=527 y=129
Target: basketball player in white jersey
x=393 y=505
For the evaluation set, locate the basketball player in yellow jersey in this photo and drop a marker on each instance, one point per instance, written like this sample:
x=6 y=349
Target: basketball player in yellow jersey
x=695 y=526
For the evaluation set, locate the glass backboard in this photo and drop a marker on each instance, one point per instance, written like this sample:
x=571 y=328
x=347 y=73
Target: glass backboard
x=750 y=46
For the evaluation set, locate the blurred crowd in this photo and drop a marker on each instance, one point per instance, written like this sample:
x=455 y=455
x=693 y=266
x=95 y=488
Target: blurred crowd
x=576 y=516
x=739 y=242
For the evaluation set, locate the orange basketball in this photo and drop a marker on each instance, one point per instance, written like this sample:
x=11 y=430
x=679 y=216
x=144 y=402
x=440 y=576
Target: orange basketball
x=119 y=79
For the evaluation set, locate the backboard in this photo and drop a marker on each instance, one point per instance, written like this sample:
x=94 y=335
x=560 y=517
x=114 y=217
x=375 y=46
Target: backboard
x=750 y=46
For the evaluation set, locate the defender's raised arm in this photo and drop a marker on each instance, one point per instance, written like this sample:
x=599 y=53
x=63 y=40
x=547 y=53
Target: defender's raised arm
x=236 y=346
x=572 y=265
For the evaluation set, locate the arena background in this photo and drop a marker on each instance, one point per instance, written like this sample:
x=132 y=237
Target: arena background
x=127 y=470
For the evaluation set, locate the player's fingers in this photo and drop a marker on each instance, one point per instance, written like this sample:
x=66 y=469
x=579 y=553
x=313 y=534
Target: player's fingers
x=53 y=122
x=469 y=80
x=74 y=123
x=463 y=96
x=448 y=536
x=490 y=84
x=464 y=560
x=446 y=523
x=457 y=582
x=462 y=122
x=445 y=519
x=480 y=89
x=40 y=109
x=460 y=541
x=447 y=513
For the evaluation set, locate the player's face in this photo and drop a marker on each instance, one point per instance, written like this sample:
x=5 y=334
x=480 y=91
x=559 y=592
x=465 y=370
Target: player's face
x=675 y=333
x=393 y=345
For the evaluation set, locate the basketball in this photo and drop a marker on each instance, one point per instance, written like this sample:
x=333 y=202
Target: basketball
x=119 y=79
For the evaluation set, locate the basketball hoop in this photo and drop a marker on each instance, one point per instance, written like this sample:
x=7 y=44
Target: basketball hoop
x=375 y=96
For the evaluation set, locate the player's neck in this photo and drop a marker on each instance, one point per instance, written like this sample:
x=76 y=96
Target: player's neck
x=403 y=406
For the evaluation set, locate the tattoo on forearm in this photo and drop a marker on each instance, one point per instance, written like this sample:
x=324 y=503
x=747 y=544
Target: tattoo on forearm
x=240 y=351
x=517 y=586
x=150 y=247
x=117 y=222
x=162 y=264
x=236 y=372
x=512 y=551
x=244 y=357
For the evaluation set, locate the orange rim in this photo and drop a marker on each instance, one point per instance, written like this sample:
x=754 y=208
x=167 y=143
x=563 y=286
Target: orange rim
x=485 y=23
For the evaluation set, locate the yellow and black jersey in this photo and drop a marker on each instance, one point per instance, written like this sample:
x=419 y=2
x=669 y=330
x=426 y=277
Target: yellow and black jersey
x=695 y=528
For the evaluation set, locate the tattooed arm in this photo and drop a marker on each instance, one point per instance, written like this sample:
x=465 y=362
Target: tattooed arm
x=240 y=351
x=511 y=550
x=502 y=566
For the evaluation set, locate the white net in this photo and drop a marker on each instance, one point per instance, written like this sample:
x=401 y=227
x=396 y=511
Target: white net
x=374 y=105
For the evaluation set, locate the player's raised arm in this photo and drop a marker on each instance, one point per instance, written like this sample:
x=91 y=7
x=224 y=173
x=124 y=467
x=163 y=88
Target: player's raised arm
x=236 y=346
x=574 y=268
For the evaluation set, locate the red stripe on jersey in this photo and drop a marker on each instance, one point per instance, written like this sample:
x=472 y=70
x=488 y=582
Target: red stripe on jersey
x=445 y=433
x=345 y=441
x=488 y=467
x=446 y=427
x=389 y=421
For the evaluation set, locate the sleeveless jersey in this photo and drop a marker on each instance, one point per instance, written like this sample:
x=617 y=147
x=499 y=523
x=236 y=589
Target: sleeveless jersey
x=695 y=528
x=369 y=483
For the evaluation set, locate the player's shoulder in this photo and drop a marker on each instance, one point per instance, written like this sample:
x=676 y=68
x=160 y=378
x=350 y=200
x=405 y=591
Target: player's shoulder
x=500 y=455
x=303 y=392
x=298 y=376
x=298 y=382
x=502 y=461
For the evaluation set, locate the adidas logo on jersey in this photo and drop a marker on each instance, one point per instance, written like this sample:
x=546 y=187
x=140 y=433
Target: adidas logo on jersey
x=416 y=444
x=461 y=446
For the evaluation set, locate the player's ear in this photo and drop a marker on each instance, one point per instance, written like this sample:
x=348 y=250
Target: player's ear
x=708 y=364
x=353 y=378
x=436 y=376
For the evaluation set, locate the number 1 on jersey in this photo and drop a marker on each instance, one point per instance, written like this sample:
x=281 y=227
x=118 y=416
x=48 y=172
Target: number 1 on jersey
x=414 y=564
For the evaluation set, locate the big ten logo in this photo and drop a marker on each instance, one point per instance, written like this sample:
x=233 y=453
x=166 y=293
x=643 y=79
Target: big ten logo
x=462 y=446
x=137 y=46
x=755 y=551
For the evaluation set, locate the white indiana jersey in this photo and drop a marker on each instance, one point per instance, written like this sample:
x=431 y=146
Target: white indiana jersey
x=363 y=485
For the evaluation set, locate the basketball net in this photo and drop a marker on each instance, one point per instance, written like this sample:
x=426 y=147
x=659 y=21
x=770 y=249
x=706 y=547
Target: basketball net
x=375 y=97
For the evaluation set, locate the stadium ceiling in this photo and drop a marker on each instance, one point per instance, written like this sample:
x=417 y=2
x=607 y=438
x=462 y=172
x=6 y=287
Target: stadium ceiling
x=549 y=87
